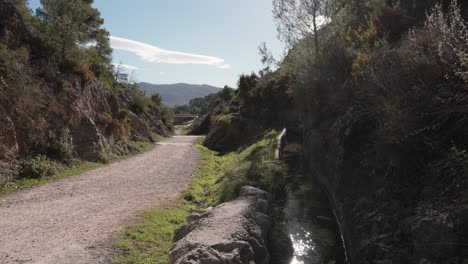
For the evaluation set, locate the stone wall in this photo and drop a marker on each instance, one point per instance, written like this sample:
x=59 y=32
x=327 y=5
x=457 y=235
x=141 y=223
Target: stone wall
x=232 y=232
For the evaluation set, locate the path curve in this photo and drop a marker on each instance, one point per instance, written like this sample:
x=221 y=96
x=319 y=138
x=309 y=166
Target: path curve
x=75 y=220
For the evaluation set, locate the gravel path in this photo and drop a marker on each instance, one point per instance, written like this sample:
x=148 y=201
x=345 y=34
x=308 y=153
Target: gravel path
x=75 y=220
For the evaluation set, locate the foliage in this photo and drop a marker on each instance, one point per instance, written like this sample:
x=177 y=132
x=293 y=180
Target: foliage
x=246 y=84
x=226 y=94
x=66 y=27
x=138 y=100
x=105 y=156
x=38 y=167
x=167 y=117
x=55 y=145
x=203 y=105
x=103 y=119
x=156 y=99
x=61 y=147
x=297 y=19
x=399 y=82
x=122 y=114
x=150 y=242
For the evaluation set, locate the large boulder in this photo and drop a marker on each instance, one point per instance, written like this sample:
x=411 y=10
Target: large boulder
x=233 y=232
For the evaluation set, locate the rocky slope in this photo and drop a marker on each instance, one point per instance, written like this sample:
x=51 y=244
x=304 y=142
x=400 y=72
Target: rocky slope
x=38 y=102
x=383 y=216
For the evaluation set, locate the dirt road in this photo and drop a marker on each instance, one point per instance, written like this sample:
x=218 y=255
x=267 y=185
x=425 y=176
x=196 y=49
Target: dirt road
x=75 y=220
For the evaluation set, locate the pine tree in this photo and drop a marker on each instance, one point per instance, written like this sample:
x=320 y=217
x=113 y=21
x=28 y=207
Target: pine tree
x=73 y=27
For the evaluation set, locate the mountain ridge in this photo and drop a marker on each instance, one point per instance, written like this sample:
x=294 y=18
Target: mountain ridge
x=178 y=93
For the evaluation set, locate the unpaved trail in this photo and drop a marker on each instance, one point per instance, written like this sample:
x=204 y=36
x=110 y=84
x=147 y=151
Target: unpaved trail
x=76 y=220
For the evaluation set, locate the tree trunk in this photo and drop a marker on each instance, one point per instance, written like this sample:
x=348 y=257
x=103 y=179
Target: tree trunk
x=314 y=21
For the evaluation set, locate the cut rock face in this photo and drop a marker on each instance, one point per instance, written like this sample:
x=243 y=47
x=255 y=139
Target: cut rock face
x=232 y=232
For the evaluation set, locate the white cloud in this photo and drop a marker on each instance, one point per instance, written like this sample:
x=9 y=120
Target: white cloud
x=154 y=54
x=126 y=66
x=224 y=66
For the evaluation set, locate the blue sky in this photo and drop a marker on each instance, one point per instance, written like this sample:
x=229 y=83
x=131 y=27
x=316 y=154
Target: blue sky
x=193 y=41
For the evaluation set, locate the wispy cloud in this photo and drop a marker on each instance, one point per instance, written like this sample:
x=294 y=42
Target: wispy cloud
x=154 y=54
x=126 y=66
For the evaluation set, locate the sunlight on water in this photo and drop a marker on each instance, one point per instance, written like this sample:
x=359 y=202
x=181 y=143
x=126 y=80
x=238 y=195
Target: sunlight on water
x=303 y=245
x=295 y=261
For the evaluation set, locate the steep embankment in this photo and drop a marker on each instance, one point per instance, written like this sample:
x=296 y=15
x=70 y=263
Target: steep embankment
x=75 y=220
x=62 y=112
x=382 y=108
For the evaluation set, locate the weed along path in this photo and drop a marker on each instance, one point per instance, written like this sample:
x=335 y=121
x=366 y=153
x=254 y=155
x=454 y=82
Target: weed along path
x=76 y=220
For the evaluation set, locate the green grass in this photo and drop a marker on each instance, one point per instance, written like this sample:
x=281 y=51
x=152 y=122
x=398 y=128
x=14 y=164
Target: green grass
x=218 y=180
x=150 y=241
x=7 y=187
x=184 y=129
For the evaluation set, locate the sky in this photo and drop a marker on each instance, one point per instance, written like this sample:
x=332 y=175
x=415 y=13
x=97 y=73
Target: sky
x=192 y=41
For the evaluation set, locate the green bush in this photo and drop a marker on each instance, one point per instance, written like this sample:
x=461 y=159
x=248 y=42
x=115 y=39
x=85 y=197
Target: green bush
x=167 y=117
x=156 y=99
x=61 y=147
x=104 y=157
x=122 y=114
x=38 y=167
x=138 y=100
x=103 y=119
x=121 y=149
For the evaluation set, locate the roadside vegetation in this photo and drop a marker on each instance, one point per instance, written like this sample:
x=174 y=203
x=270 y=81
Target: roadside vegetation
x=52 y=59
x=378 y=91
x=41 y=170
x=219 y=180
x=202 y=105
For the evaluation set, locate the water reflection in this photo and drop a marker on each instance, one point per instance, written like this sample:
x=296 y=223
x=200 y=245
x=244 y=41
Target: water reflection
x=311 y=225
x=302 y=243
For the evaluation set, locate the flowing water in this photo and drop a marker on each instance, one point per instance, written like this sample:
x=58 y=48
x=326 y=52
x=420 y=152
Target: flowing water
x=311 y=224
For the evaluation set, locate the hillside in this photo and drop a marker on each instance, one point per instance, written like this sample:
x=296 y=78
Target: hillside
x=379 y=99
x=59 y=107
x=179 y=93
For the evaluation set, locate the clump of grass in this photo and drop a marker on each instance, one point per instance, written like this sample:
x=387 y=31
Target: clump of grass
x=150 y=241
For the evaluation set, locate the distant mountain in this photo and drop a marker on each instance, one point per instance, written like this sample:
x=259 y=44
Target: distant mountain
x=179 y=93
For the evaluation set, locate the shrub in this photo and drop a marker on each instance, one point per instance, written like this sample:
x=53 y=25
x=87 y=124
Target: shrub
x=122 y=114
x=103 y=119
x=38 y=167
x=167 y=117
x=85 y=72
x=121 y=149
x=156 y=99
x=104 y=157
x=138 y=100
x=61 y=147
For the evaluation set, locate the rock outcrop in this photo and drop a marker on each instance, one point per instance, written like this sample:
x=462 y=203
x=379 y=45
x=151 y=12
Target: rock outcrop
x=382 y=217
x=233 y=232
